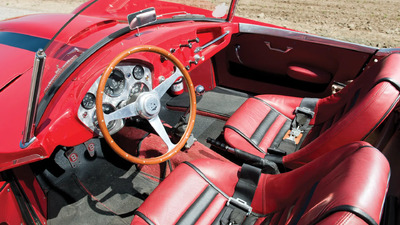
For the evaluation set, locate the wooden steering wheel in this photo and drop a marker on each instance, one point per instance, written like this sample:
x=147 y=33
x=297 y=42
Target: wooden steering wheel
x=146 y=106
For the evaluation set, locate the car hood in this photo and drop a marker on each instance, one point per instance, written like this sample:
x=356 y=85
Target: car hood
x=20 y=38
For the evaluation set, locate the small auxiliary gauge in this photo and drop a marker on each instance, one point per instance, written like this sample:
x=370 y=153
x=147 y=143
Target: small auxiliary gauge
x=138 y=72
x=88 y=101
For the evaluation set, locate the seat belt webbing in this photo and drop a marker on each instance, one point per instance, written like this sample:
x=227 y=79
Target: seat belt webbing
x=238 y=206
x=300 y=126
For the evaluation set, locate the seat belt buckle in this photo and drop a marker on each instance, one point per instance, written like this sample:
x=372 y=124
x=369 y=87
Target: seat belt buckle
x=305 y=111
x=240 y=204
x=294 y=135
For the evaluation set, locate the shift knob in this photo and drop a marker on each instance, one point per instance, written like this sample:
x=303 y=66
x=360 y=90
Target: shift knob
x=199 y=89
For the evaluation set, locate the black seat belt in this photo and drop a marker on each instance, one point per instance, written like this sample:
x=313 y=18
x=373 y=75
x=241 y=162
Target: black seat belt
x=238 y=208
x=300 y=126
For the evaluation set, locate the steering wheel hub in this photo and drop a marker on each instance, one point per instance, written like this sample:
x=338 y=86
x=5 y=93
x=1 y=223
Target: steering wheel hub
x=148 y=105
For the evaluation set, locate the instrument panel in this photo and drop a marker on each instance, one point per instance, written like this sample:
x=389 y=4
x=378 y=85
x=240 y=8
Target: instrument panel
x=123 y=86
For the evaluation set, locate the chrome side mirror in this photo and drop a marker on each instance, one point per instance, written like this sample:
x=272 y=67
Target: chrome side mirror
x=141 y=18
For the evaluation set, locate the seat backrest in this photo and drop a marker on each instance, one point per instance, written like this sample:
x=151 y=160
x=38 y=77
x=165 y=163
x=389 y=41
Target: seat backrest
x=346 y=186
x=353 y=113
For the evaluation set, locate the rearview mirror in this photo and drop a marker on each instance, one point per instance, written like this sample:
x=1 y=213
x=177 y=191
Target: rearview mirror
x=141 y=18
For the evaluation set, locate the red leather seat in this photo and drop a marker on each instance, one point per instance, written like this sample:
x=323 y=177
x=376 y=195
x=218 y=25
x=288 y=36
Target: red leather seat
x=349 y=115
x=347 y=186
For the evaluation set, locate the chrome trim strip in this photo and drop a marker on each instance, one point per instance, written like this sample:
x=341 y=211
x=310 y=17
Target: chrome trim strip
x=257 y=29
x=29 y=129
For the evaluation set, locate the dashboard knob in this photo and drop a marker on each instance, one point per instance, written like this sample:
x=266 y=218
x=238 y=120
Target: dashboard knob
x=188 y=45
x=197 y=40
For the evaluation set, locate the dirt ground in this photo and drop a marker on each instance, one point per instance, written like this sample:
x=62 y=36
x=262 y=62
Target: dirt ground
x=370 y=22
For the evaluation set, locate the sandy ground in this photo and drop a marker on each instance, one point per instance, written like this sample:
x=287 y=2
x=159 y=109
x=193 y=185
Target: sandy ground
x=14 y=8
x=370 y=22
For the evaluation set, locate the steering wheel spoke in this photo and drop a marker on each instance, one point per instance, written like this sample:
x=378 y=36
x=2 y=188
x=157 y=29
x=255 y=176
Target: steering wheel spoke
x=124 y=112
x=162 y=88
x=159 y=128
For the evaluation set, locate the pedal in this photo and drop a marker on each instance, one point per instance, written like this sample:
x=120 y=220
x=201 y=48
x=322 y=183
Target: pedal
x=190 y=141
x=179 y=129
x=72 y=157
x=91 y=148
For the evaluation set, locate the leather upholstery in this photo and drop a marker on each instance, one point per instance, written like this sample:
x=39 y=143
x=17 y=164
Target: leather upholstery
x=349 y=115
x=354 y=175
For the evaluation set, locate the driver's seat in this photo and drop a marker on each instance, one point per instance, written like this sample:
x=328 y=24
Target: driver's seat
x=346 y=186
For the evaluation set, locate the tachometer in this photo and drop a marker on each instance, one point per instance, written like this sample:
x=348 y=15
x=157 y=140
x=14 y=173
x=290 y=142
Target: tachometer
x=139 y=87
x=88 y=101
x=138 y=72
x=115 y=84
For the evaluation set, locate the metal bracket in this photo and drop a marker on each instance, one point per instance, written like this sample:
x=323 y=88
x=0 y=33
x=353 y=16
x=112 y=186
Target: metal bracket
x=240 y=204
x=306 y=111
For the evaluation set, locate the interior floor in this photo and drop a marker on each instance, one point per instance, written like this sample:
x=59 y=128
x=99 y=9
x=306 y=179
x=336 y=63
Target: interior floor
x=102 y=188
x=213 y=109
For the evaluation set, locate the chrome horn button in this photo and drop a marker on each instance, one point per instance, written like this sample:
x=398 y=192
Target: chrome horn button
x=148 y=105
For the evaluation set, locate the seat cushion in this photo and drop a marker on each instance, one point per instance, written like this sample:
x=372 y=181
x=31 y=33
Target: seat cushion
x=346 y=186
x=181 y=197
x=261 y=122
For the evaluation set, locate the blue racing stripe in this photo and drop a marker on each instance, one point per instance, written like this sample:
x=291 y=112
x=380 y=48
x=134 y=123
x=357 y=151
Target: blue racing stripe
x=23 y=41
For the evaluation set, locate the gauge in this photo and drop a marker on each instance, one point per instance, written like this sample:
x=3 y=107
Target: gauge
x=138 y=72
x=107 y=109
x=88 y=101
x=115 y=84
x=139 y=87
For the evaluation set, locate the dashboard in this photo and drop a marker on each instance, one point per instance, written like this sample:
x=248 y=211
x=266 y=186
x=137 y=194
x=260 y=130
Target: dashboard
x=123 y=86
x=130 y=78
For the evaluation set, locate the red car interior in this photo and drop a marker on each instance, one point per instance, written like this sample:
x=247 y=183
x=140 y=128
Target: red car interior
x=349 y=115
x=329 y=190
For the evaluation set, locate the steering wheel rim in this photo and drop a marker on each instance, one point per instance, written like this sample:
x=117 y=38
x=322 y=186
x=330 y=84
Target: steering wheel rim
x=100 y=113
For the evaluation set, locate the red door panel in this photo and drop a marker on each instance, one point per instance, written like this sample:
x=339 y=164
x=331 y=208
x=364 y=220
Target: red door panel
x=268 y=60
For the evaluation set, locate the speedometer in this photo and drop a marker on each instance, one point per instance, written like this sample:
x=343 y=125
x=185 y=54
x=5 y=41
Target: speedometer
x=115 y=84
